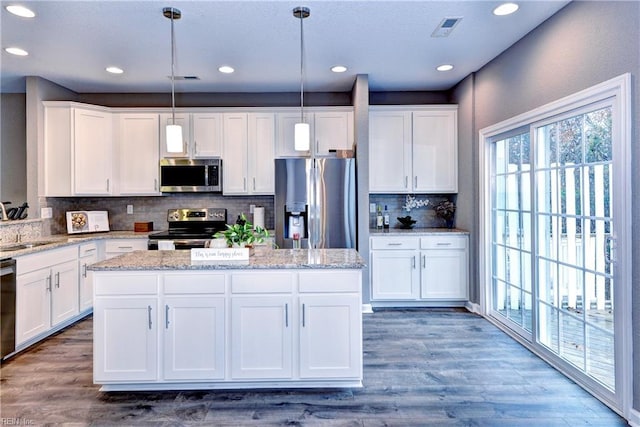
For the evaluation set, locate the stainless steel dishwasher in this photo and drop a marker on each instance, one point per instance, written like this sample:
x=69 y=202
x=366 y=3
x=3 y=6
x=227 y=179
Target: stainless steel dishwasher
x=7 y=307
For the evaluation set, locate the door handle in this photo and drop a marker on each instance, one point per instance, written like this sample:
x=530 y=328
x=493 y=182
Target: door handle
x=107 y=184
x=414 y=261
x=58 y=279
x=49 y=283
x=303 y=315
x=286 y=315
x=149 y=314
x=166 y=316
x=415 y=181
x=424 y=261
x=406 y=181
x=254 y=183
x=155 y=184
x=84 y=270
x=244 y=183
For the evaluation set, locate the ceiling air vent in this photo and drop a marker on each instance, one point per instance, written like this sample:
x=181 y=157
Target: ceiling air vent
x=446 y=26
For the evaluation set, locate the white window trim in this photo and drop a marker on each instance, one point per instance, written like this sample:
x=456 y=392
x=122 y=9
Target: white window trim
x=618 y=88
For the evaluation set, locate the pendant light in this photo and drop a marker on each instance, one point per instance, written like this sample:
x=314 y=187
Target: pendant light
x=173 y=131
x=301 y=130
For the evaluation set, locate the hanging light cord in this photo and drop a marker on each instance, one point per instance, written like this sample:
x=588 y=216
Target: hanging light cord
x=173 y=91
x=301 y=66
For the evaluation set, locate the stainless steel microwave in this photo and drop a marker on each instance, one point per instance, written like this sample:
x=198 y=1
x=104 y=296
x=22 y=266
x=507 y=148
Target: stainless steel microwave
x=190 y=175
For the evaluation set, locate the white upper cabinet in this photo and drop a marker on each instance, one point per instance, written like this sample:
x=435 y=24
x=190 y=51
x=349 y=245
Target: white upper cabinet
x=201 y=134
x=330 y=129
x=138 y=135
x=248 y=145
x=413 y=149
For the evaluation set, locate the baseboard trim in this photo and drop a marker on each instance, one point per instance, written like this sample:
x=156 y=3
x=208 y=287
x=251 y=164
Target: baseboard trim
x=473 y=307
x=634 y=418
x=367 y=309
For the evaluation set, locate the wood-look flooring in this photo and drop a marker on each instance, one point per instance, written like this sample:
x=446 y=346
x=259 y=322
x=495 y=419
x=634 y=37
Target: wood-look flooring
x=422 y=367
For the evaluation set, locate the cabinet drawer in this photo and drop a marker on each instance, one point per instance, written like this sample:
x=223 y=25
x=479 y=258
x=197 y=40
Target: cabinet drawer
x=443 y=242
x=125 y=245
x=194 y=283
x=44 y=259
x=262 y=282
x=87 y=249
x=126 y=284
x=394 y=243
x=330 y=281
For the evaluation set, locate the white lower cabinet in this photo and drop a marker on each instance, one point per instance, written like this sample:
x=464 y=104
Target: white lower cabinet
x=258 y=329
x=46 y=292
x=88 y=255
x=128 y=344
x=428 y=269
x=115 y=247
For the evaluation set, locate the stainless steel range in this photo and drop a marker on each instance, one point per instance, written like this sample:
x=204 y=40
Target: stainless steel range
x=190 y=228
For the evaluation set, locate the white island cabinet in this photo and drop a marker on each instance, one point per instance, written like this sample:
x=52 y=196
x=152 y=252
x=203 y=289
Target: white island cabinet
x=284 y=319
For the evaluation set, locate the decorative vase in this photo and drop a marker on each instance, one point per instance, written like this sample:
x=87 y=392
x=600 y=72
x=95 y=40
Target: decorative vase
x=449 y=223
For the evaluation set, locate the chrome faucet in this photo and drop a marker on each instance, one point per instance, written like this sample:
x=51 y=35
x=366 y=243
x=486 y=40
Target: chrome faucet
x=4 y=211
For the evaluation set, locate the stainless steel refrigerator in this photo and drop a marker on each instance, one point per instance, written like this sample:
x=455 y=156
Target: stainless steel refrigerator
x=315 y=203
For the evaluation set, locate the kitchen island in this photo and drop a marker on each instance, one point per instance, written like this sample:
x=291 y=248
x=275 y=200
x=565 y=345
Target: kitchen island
x=285 y=318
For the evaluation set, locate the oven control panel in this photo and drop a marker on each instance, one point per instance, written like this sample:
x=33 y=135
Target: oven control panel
x=198 y=214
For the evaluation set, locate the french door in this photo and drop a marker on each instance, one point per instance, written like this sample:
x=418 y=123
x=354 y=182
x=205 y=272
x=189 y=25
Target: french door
x=555 y=187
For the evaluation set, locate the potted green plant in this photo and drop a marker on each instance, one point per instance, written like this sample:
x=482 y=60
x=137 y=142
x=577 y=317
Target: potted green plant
x=446 y=210
x=242 y=233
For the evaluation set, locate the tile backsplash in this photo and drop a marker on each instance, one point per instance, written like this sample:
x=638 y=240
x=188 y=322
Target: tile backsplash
x=154 y=208
x=425 y=215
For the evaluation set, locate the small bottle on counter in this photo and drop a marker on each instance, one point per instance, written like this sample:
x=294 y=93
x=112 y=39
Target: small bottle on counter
x=385 y=217
x=379 y=218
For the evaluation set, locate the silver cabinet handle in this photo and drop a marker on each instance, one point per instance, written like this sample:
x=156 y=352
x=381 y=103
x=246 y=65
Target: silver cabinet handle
x=166 y=316
x=406 y=181
x=424 y=261
x=107 y=184
x=244 y=183
x=394 y=244
x=415 y=181
x=125 y=247
x=49 y=283
x=443 y=244
x=286 y=315
x=84 y=270
x=303 y=315
x=58 y=279
x=155 y=184
x=254 y=183
x=414 y=262
x=149 y=314
x=86 y=251
x=317 y=146
x=195 y=147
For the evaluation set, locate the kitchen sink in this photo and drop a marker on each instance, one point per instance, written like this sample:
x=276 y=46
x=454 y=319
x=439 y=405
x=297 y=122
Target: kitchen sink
x=18 y=246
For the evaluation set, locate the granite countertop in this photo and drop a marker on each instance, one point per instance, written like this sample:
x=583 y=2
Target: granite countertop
x=60 y=240
x=263 y=258
x=415 y=231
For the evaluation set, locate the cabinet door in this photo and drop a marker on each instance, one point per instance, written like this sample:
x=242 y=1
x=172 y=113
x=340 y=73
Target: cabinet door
x=435 y=152
x=125 y=344
x=285 y=141
x=235 y=152
x=333 y=130
x=33 y=304
x=261 y=153
x=92 y=151
x=58 y=169
x=139 y=136
x=182 y=119
x=86 y=279
x=261 y=337
x=193 y=338
x=207 y=134
x=389 y=151
x=330 y=336
x=64 y=292
x=395 y=275
x=444 y=274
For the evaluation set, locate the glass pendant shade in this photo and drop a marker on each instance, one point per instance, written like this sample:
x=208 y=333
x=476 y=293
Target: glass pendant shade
x=301 y=137
x=174 y=139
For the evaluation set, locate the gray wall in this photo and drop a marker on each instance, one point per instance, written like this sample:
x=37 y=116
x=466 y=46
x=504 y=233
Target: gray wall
x=13 y=148
x=583 y=44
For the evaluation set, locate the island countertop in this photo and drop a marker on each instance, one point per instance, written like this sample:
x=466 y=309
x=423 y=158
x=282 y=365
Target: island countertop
x=262 y=259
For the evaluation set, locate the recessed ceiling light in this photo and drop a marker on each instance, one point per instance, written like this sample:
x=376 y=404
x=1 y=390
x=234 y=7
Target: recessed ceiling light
x=226 y=69
x=338 y=68
x=20 y=11
x=17 y=51
x=444 y=67
x=505 y=9
x=114 y=70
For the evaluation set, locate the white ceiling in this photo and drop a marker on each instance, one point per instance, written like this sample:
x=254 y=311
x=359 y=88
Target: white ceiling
x=72 y=42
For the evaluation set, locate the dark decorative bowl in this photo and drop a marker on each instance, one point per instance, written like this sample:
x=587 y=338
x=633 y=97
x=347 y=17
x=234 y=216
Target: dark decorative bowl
x=406 y=222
